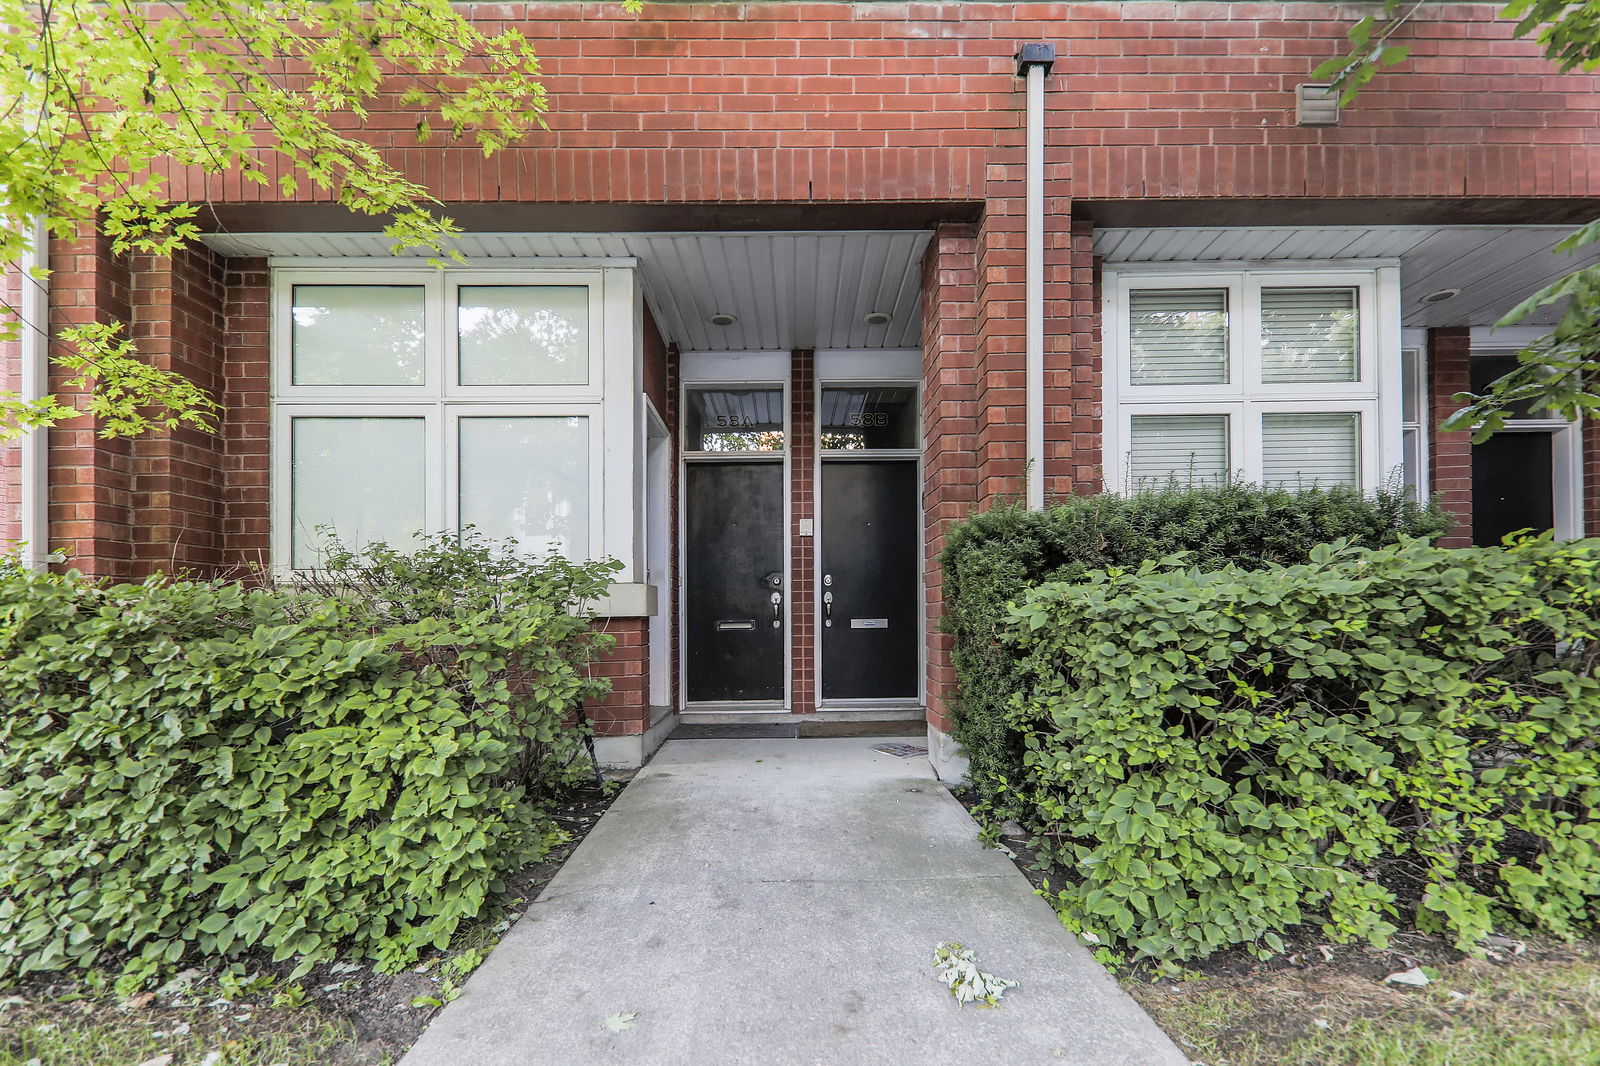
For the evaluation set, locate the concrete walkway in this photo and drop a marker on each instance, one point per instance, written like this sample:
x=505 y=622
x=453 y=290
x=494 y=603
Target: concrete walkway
x=770 y=902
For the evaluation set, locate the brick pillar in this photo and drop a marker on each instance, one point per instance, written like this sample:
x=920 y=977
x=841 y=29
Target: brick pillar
x=91 y=480
x=1590 y=508
x=949 y=428
x=625 y=710
x=1450 y=454
x=802 y=505
x=178 y=315
x=1072 y=371
x=674 y=375
x=246 y=420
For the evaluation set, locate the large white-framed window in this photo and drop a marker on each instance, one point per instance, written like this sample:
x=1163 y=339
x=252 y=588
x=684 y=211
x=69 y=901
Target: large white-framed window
x=408 y=400
x=1286 y=375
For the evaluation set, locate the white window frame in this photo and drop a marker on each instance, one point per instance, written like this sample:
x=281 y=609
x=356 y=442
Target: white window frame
x=607 y=399
x=1374 y=395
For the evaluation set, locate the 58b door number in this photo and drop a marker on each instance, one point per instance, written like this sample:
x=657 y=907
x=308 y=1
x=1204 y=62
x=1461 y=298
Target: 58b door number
x=870 y=418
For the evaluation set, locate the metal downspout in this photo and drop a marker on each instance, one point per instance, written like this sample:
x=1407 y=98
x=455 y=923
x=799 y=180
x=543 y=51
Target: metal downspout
x=34 y=348
x=1034 y=62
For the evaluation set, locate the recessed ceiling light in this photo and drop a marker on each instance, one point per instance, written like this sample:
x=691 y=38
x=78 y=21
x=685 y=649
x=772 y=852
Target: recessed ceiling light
x=722 y=318
x=1441 y=296
x=878 y=318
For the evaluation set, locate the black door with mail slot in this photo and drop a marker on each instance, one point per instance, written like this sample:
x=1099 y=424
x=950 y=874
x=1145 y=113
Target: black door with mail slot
x=734 y=590
x=870 y=556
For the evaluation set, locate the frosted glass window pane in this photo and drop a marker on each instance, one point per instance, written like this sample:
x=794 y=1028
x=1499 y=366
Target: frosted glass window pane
x=357 y=334
x=528 y=479
x=1178 y=336
x=524 y=334
x=1302 y=450
x=1308 y=335
x=1182 y=448
x=361 y=476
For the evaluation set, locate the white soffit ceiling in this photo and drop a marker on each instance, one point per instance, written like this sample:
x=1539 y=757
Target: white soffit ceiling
x=1495 y=267
x=788 y=290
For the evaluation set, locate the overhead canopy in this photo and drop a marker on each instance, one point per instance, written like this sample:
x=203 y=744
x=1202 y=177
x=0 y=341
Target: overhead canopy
x=786 y=290
x=1495 y=267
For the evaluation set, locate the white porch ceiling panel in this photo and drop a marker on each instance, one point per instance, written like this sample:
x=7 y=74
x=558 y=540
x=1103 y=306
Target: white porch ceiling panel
x=1495 y=267
x=788 y=290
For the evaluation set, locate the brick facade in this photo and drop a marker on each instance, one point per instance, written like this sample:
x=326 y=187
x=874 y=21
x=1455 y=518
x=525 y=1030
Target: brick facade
x=780 y=115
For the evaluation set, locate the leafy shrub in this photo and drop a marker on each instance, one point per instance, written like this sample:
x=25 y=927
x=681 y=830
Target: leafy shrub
x=1405 y=732
x=192 y=769
x=992 y=558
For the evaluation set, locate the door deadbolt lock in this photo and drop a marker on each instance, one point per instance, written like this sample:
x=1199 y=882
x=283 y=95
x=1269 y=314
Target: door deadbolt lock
x=773 y=580
x=827 y=579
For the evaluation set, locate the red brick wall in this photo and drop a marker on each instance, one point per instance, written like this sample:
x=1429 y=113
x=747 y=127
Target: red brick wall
x=949 y=427
x=819 y=102
x=1450 y=454
x=246 y=427
x=803 y=557
x=177 y=503
x=91 y=480
x=625 y=710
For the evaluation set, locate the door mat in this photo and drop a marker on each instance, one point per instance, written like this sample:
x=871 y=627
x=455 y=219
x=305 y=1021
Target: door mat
x=901 y=751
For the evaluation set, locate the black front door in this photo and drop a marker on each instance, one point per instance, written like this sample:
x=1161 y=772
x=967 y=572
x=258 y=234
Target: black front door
x=733 y=581
x=870 y=548
x=1513 y=486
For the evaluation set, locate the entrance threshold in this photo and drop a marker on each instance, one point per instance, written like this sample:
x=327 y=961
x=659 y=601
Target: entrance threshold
x=800 y=730
x=730 y=717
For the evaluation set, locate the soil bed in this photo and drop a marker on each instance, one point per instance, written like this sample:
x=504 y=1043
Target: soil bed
x=340 y=1014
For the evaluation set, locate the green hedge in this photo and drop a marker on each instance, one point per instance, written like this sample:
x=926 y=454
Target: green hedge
x=1405 y=734
x=191 y=769
x=992 y=558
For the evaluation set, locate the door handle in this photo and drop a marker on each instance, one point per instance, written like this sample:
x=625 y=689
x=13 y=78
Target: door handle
x=777 y=610
x=827 y=609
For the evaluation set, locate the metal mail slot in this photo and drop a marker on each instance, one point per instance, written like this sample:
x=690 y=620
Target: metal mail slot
x=869 y=623
x=723 y=625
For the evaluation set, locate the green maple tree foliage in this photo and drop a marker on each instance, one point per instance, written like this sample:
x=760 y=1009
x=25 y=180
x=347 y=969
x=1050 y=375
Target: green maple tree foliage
x=102 y=102
x=1560 y=372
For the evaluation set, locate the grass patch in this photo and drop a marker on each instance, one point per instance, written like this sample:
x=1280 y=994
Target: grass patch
x=1534 y=1012
x=100 y=1033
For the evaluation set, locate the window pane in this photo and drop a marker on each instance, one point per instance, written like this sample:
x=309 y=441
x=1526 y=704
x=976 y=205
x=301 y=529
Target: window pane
x=357 y=334
x=1308 y=335
x=1410 y=385
x=855 y=419
x=1179 y=336
x=363 y=477
x=1302 y=450
x=734 y=420
x=1484 y=370
x=523 y=334
x=1411 y=471
x=528 y=478
x=1182 y=448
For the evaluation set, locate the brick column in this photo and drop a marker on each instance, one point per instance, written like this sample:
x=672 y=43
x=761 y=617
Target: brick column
x=178 y=316
x=246 y=397
x=91 y=480
x=1450 y=454
x=802 y=557
x=949 y=428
